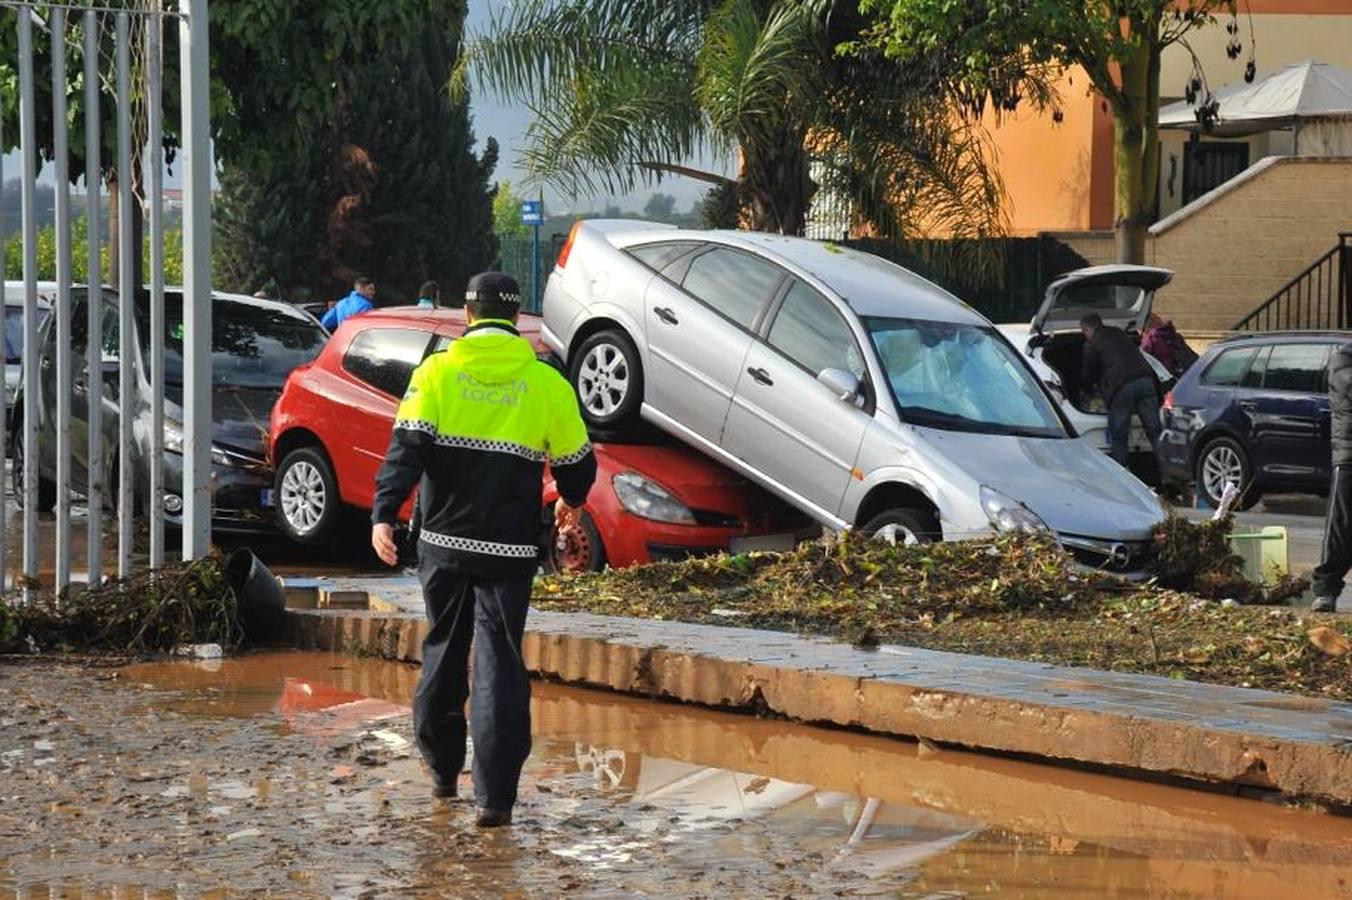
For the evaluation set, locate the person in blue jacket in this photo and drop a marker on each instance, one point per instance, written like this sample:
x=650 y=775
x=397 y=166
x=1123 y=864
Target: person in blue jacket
x=429 y=295
x=362 y=299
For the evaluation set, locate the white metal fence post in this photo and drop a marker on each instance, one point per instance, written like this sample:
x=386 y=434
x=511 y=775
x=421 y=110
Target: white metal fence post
x=56 y=24
x=94 y=381
x=126 y=298
x=4 y=379
x=195 y=95
x=154 y=197
x=32 y=409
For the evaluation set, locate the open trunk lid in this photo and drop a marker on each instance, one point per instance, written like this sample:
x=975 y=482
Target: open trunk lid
x=1121 y=294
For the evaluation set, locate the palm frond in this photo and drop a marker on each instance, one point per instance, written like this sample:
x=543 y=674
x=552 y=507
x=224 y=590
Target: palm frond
x=536 y=45
x=606 y=133
x=754 y=69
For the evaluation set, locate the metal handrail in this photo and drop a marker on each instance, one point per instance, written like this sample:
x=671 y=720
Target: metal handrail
x=1319 y=297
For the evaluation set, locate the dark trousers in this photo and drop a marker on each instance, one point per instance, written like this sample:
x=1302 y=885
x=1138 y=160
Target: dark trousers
x=1337 y=558
x=490 y=615
x=1135 y=397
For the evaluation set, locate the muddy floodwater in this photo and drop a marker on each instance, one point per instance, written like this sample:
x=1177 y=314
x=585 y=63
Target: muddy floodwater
x=293 y=774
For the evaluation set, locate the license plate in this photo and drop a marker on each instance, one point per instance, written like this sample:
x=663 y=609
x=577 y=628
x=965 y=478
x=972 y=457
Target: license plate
x=781 y=543
x=265 y=498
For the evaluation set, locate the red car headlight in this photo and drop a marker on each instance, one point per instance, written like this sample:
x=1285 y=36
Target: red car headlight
x=647 y=499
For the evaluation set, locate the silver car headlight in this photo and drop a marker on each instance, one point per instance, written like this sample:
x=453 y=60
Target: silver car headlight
x=173 y=443
x=173 y=436
x=649 y=500
x=1007 y=514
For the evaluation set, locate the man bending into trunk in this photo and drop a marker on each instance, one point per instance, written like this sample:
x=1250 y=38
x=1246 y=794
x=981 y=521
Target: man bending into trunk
x=1114 y=363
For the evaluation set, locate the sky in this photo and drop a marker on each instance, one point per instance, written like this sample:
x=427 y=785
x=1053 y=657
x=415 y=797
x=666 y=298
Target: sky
x=508 y=124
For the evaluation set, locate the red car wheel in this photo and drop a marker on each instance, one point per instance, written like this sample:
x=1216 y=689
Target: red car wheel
x=580 y=549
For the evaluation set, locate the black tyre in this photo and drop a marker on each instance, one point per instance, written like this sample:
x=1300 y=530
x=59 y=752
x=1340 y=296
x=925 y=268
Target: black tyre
x=582 y=550
x=904 y=526
x=306 y=496
x=46 y=487
x=1223 y=461
x=608 y=377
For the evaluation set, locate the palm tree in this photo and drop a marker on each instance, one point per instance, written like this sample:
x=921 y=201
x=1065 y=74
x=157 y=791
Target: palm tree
x=628 y=91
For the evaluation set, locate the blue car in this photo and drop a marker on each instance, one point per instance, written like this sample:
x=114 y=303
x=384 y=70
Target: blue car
x=1254 y=412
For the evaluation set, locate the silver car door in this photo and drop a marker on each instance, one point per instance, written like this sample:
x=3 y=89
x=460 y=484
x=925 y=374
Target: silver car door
x=699 y=333
x=784 y=421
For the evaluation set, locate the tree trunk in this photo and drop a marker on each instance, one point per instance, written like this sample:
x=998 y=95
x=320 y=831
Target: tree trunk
x=114 y=266
x=776 y=185
x=1136 y=143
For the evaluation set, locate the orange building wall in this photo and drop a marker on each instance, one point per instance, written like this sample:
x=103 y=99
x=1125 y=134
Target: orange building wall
x=1058 y=177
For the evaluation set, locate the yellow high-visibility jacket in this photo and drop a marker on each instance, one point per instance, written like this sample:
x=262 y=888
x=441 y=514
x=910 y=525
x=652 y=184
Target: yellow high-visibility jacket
x=478 y=423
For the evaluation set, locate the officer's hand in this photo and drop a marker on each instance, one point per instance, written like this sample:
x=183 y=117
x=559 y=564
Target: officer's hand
x=382 y=539
x=566 y=517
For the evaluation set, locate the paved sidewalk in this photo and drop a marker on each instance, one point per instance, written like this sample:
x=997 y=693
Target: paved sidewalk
x=1299 y=746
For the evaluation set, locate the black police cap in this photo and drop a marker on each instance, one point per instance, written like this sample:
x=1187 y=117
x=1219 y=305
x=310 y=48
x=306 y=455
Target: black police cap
x=493 y=286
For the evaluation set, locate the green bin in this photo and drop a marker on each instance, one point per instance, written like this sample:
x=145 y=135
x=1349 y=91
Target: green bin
x=1264 y=553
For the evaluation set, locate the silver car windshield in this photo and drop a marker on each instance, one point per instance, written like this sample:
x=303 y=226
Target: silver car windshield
x=961 y=378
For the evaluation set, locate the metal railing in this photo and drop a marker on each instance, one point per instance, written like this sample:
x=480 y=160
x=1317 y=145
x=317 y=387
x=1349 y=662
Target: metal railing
x=46 y=440
x=1317 y=299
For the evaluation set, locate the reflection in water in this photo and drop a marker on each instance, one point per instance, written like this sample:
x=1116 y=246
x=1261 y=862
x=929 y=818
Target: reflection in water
x=650 y=793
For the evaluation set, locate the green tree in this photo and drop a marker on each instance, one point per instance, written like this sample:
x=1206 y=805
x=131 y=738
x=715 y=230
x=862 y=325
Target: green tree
x=274 y=64
x=1001 y=48
x=390 y=188
x=507 y=211
x=627 y=91
x=659 y=207
x=46 y=247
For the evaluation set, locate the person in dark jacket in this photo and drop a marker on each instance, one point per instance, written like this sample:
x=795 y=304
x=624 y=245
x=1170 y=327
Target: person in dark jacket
x=1337 y=556
x=477 y=425
x=1114 y=363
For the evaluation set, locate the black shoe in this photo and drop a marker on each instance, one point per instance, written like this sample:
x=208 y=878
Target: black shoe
x=1324 y=604
x=493 y=818
x=444 y=791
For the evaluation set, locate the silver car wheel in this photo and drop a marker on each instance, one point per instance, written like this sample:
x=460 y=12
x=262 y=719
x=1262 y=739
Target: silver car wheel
x=603 y=380
x=1221 y=467
x=896 y=534
x=303 y=496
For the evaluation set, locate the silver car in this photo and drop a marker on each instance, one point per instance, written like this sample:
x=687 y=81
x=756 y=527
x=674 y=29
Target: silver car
x=851 y=387
x=14 y=333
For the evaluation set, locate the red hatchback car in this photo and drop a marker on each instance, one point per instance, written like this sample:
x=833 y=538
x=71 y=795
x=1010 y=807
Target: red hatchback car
x=331 y=427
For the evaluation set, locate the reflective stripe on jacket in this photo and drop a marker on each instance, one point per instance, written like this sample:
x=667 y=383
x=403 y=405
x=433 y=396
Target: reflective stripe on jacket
x=478 y=423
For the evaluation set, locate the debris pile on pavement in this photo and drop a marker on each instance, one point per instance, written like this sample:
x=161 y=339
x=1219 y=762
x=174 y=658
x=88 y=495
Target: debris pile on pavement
x=1197 y=557
x=1016 y=596
x=841 y=582
x=180 y=604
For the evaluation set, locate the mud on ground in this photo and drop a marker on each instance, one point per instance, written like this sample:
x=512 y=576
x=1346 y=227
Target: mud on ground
x=200 y=785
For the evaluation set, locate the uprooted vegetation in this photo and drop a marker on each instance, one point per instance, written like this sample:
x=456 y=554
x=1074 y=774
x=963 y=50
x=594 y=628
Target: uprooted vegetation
x=145 y=614
x=1017 y=596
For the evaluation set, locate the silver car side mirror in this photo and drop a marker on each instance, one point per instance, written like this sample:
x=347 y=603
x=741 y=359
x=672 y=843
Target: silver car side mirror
x=841 y=383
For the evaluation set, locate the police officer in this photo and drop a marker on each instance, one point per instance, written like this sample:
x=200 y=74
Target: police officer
x=477 y=425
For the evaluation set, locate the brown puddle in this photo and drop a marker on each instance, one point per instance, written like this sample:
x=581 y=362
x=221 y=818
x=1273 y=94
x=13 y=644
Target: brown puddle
x=627 y=796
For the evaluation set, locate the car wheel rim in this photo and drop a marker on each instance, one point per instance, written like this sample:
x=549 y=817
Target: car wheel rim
x=603 y=381
x=895 y=535
x=573 y=550
x=1221 y=467
x=303 y=497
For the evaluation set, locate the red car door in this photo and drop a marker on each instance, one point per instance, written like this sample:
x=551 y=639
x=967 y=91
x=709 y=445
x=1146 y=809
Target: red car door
x=378 y=364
